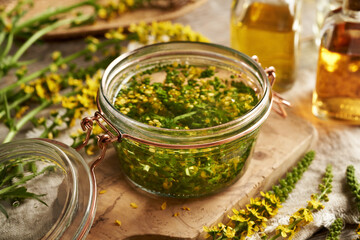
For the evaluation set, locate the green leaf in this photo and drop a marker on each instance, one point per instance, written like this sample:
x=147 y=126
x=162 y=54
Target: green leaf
x=9 y=119
x=2 y=174
x=2 y=209
x=22 y=193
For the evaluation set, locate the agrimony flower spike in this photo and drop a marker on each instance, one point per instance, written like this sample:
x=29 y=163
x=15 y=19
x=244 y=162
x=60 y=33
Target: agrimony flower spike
x=287 y=184
x=335 y=229
x=304 y=216
x=354 y=186
x=253 y=218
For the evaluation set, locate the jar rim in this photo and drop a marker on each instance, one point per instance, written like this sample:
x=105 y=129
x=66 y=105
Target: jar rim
x=262 y=108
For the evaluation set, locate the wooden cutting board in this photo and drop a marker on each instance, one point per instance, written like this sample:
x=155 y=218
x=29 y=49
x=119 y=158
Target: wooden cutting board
x=147 y=15
x=281 y=143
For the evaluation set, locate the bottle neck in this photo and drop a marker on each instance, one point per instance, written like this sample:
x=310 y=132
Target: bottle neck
x=352 y=8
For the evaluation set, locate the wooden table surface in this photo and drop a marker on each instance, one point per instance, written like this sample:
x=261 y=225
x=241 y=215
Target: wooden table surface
x=212 y=20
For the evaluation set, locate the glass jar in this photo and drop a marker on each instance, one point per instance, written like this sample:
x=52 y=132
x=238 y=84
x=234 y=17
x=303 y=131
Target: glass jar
x=269 y=29
x=65 y=187
x=193 y=162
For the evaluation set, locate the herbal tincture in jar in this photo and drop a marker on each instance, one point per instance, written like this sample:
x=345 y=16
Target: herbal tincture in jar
x=180 y=96
x=189 y=114
x=268 y=29
x=337 y=91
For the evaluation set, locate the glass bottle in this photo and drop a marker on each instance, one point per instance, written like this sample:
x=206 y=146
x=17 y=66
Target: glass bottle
x=270 y=30
x=323 y=8
x=337 y=91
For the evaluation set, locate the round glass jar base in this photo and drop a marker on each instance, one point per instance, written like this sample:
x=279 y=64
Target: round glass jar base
x=185 y=173
x=150 y=192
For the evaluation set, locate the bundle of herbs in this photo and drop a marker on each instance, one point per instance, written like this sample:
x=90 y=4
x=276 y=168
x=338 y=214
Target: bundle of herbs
x=53 y=97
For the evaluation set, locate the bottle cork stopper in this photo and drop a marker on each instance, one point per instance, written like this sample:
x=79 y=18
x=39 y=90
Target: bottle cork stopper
x=354 y=5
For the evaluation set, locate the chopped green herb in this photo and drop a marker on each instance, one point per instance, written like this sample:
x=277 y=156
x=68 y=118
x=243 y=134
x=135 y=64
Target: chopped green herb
x=185 y=97
x=180 y=96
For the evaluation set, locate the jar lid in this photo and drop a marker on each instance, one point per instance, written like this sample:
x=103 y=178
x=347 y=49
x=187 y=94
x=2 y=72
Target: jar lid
x=46 y=191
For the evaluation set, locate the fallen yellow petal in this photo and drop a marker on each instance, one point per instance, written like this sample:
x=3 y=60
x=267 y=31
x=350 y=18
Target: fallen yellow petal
x=185 y=208
x=163 y=206
x=176 y=214
x=133 y=205
x=102 y=192
x=118 y=222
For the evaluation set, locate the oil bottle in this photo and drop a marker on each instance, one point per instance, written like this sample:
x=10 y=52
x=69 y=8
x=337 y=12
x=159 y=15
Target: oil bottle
x=323 y=9
x=270 y=30
x=337 y=91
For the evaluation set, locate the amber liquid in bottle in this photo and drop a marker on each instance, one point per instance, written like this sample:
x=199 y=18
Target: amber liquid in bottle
x=266 y=30
x=337 y=91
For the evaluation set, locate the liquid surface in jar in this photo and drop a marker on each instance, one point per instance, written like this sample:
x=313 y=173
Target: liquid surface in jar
x=266 y=30
x=180 y=96
x=337 y=92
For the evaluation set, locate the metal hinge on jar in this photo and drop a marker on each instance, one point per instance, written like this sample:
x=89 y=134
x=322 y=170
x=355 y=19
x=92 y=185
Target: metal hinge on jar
x=111 y=133
x=279 y=101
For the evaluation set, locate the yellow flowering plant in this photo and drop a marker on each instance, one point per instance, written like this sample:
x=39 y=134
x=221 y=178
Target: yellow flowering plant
x=62 y=83
x=253 y=218
x=304 y=216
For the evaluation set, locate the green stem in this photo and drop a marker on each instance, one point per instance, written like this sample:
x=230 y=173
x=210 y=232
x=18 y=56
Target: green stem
x=41 y=33
x=275 y=237
x=17 y=7
x=48 y=130
x=185 y=115
x=52 y=12
x=291 y=226
x=58 y=63
x=7 y=112
x=2 y=36
x=16 y=103
x=25 y=179
x=24 y=80
x=8 y=45
x=325 y=190
x=13 y=131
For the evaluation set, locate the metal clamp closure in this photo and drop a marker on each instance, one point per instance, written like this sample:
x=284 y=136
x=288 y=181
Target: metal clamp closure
x=87 y=125
x=103 y=140
x=278 y=99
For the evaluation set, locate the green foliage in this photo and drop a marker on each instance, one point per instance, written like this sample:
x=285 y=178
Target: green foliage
x=63 y=81
x=335 y=229
x=287 y=184
x=354 y=187
x=180 y=102
x=326 y=187
x=13 y=177
x=353 y=184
